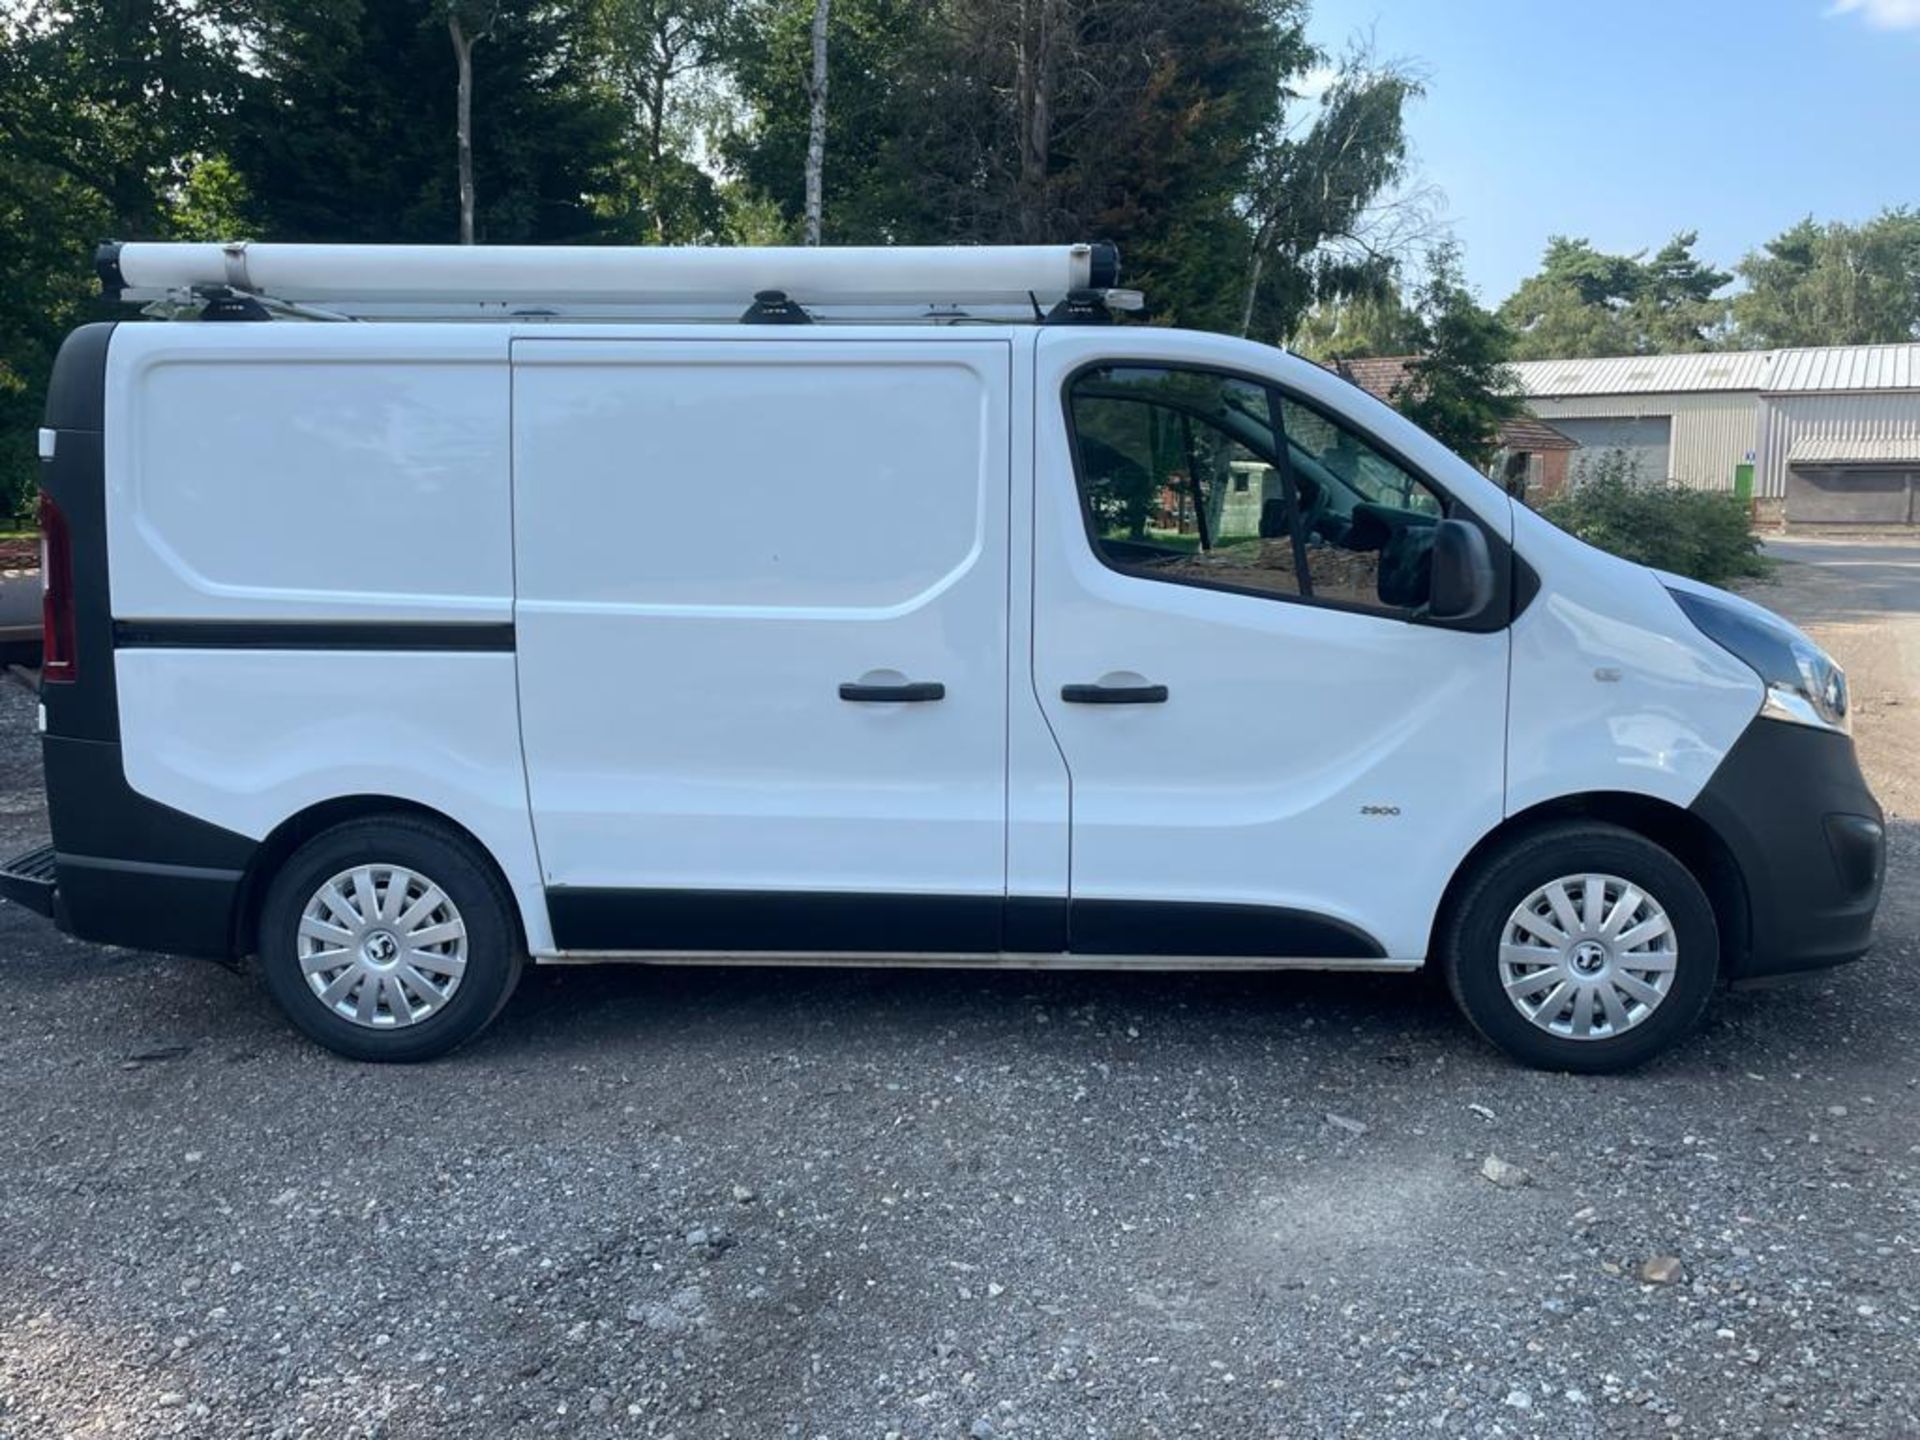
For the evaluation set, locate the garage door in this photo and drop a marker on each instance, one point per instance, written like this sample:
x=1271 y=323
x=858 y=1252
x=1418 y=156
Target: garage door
x=1638 y=445
x=1852 y=495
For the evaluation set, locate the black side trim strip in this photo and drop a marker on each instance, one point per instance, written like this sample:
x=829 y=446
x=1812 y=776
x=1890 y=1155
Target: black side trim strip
x=156 y=868
x=591 y=919
x=836 y=922
x=1172 y=927
x=1034 y=925
x=311 y=635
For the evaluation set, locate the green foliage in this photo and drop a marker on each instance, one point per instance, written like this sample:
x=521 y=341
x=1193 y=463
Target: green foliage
x=1458 y=388
x=1160 y=124
x=1834 y=284
x=1583 y=302
x=1701 y=533
x=1362 y=327
x=344 y=127
x=99 y=102
x=1324 y=229
x=213 y=203
x=1813 y=284
x=664 y=61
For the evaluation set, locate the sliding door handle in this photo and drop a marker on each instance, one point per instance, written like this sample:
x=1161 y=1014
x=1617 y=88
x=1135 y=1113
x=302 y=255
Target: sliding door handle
x=913 y=692
x=1114 y=694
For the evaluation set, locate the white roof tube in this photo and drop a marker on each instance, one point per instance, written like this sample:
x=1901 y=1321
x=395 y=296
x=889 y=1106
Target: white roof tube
x=621 y=275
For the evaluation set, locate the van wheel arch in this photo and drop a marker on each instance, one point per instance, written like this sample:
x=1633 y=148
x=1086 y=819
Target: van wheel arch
x=293 y=832
x=1691 y=841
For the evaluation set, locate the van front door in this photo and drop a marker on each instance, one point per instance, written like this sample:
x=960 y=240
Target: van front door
x=761 y=619
x=1272 y=755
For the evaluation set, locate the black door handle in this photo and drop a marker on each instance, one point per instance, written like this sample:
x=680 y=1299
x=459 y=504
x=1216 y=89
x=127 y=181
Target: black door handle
x=1114 y=694
x=914 y=692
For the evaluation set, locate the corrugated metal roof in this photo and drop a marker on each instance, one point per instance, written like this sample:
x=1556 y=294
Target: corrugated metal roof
x=1648 y=374
x=1855 y=450
x=1847 y=367
x=1823 y=368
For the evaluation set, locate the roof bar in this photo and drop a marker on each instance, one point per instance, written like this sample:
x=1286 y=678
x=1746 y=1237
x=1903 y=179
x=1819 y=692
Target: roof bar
x=343 y=276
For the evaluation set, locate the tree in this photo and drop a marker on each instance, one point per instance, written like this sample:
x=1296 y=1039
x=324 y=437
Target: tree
x=1154 y=123
x=1675 y=309
x=879 y=47
x=667 y=61
x=466 y=30
x=1319 y=232
x=1585 y=302
x=102 y=106
x=816 y=119
x=336 y=138
x=1834 y=284
x=1370 y=324
x=1458 y=387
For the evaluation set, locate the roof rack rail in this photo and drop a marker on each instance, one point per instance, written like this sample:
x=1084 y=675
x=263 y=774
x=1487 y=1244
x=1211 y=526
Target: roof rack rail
x=948 y=284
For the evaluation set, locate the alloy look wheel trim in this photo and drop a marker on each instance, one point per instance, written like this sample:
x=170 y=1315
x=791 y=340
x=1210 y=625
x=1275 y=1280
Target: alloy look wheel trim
x=1588 y=956
x=382 y=946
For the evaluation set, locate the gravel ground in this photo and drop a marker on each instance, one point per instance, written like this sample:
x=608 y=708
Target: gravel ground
x=799 y=1204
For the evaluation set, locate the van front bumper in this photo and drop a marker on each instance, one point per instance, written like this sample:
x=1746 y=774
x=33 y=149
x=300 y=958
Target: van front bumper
x=1810 y=842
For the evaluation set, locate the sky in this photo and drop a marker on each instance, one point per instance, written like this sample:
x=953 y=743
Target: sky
x=1627 y=120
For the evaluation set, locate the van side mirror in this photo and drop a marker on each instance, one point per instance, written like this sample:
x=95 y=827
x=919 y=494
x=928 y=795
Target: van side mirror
x=1463 y=579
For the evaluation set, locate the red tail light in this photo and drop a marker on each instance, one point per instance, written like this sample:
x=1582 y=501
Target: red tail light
x=59 y=664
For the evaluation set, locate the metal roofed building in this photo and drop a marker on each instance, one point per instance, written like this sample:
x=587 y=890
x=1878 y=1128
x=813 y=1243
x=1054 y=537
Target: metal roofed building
x=1832 y=431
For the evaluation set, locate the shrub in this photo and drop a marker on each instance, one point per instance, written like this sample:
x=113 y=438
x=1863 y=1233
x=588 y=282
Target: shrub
x=1699 y=533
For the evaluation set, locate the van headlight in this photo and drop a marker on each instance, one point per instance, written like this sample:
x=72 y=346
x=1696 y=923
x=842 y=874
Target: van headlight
x=1804 y=685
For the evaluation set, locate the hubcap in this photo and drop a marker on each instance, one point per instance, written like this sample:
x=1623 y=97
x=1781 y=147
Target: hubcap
x=1588 y=957
x=382 y=946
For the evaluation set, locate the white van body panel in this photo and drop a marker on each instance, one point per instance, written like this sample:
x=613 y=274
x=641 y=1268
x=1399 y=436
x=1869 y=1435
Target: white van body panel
x=1313 y=760
x=1614 y=690
x=306 y=474
x=309 y=472
x=248 y=738
x=715 y=531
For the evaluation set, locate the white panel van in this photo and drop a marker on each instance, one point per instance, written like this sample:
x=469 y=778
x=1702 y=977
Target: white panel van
x=406 y=618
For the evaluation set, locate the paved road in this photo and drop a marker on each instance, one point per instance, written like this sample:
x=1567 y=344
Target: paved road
x=800 y=1204
x=1861 y=599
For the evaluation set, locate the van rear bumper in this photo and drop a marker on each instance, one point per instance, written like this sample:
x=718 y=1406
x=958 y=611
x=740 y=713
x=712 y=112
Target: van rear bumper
x=1810 y=842
x=31 y=880
x=124 y=869
x=140 y=904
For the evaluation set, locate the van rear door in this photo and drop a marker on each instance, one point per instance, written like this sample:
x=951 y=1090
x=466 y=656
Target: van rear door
x=762 y=630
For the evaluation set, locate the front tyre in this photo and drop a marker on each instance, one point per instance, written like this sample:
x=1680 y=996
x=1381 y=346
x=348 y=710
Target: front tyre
x=1581 y=946
x=389 y=938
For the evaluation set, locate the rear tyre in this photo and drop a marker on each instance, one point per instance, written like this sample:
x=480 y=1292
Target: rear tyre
x=1581 y=946
x=389 y=938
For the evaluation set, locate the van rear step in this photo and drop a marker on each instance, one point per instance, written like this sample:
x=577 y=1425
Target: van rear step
x=29 y=880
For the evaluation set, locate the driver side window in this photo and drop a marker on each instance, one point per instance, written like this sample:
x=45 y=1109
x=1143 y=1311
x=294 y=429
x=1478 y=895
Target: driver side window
x=1177 y=480
x=1195 y=477
x=1367 y=523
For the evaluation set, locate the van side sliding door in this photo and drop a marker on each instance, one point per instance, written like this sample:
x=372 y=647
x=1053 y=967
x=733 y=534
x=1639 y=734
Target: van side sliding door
x=762 y=621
